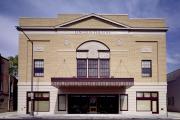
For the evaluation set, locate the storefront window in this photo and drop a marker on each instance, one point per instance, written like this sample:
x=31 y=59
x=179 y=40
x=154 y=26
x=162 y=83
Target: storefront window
x=41 y=102
x=140 y=94
x=143 y=105
x=124 y=102
x=41 y=106
x=147 y=94
x=147 y=101
x=154 y=94
x=62 y=102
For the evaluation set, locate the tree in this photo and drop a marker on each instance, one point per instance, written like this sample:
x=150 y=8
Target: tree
x=13 y=65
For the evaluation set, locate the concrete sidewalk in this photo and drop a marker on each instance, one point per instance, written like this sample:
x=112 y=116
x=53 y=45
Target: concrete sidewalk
x=15 y=115
x=175 y=115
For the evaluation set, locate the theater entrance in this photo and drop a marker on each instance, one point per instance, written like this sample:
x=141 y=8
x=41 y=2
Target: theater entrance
x=93 y=104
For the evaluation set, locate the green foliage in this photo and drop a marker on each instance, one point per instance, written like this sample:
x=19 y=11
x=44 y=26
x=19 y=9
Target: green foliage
x=13 y=65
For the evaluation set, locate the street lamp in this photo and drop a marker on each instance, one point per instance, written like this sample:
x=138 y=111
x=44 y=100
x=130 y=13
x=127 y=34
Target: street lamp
x=32 y=94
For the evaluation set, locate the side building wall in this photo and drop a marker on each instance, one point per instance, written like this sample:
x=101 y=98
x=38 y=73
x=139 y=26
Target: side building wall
x=173 y=95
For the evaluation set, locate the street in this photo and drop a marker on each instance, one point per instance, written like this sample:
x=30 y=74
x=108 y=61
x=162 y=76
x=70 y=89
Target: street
x=15 y=115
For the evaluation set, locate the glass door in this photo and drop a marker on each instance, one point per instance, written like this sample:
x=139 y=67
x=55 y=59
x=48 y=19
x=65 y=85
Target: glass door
x=93 y=104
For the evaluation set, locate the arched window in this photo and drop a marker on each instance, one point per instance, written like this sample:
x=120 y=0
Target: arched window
x=93 y=60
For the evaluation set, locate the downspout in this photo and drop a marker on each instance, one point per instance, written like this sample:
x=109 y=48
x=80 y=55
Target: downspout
x=9 y=92
x=32 y=92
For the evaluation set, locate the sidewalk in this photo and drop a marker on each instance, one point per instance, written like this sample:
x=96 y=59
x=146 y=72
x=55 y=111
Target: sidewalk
x=15 y=115
x=175 y=115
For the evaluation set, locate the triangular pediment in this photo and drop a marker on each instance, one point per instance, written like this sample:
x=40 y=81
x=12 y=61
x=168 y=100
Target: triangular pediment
x=92 y=21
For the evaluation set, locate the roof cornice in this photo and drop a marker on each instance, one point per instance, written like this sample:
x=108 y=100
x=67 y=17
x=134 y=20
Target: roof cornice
x=48 y=28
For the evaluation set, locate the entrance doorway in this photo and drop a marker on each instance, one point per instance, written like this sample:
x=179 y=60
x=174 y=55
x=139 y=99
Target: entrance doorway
x=93 y=104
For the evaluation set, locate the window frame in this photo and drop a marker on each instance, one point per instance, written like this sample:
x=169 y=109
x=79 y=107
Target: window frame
x=108 y=68
x=37 y=99
x=35 y=68
x=171 y=101
x=151 y=98
x=150 y=75
x=82 y=68
x=65 y=102
x=98 y=68
x=120 y=102
x=93 y=68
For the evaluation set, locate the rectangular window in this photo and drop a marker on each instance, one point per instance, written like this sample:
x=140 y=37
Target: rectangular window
x=93 y=68
x=124 y=102
x=62 y=102
x=145 y=100
x=104 y=68
x=41 y=101
x=171 y=101
x=82 y=68
x=38 y=67
x=1 y=85
x=143 y=105
x=146 y=68
x=139 y=94
x=147 y=94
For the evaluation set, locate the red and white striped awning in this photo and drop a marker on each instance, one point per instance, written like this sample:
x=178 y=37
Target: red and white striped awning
x=82 y=82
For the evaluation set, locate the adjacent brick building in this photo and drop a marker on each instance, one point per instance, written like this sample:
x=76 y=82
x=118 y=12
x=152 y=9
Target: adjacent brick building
x=8 y=87
x=4 y=84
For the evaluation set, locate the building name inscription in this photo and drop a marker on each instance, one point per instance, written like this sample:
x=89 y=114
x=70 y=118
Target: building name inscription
x=92 y=32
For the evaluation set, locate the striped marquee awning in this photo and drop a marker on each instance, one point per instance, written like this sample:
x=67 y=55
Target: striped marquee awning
x=82 y=82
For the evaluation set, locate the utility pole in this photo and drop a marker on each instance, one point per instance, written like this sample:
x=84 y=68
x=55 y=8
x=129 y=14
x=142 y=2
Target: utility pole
x=32 y=93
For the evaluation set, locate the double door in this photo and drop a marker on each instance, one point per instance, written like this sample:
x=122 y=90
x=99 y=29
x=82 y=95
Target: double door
x=93 y=104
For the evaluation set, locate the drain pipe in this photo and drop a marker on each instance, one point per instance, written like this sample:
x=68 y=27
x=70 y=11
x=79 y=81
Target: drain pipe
x=9 y=92
x=32 y=92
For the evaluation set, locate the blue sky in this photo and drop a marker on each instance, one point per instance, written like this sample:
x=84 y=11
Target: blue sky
x=11 y=10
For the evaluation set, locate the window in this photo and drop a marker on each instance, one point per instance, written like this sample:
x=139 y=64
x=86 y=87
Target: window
x=38 y=67
x=146 y=68
x=104 y=68
x=147 y=94
x=124 y=102
x=171 y=101
x=143 y=105
x=41 y=101
x=139 y=94
x=62 y=102
x=144 y=101
x=82 y=68
x=172 y=98
x=1 y=85
x=94 y=67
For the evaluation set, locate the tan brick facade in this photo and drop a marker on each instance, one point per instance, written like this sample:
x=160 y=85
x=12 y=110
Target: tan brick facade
x=129 y=41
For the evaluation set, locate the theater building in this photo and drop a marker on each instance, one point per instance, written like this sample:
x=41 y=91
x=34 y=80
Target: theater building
x=92 y=64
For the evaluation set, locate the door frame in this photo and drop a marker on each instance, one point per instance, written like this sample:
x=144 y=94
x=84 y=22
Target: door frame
x=116 y=95
x=157 y=107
